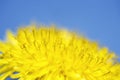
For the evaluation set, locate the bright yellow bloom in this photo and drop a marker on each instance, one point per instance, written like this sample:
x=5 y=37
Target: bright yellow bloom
x=48 y=53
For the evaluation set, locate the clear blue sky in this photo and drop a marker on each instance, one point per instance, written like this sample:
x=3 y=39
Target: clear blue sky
x=98 y=19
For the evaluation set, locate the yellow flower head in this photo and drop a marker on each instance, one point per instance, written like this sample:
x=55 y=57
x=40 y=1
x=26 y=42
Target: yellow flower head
x=48 y=53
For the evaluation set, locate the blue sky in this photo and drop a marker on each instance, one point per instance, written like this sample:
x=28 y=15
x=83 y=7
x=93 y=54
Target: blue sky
x=98 y=20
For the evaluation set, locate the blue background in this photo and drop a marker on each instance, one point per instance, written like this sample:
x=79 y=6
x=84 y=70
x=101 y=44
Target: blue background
x=98 y=20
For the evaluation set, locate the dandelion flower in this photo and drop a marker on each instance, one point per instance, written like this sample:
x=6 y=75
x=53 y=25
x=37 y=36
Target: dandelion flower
x=49 y=53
